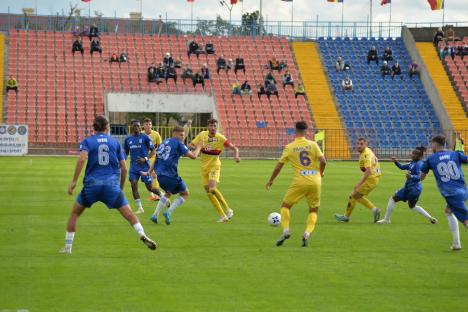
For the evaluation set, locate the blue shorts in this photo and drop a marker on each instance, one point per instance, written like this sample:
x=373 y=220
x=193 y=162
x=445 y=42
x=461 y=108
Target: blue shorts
x=111 y=195
x=457 y=205
x=410 y=195
x=135 y=175
x=173 y=185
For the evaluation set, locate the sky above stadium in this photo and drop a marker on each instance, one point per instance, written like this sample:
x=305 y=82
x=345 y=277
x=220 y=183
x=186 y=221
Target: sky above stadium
x=355 y=10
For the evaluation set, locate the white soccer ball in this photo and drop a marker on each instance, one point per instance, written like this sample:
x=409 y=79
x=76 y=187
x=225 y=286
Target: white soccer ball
x=274 y=219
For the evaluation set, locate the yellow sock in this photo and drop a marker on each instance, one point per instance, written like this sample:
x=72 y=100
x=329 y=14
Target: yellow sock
x=216 y=204
x=350 y=207
x=366 y=203
x=311 y=220
x=284 y=218
x=220 y=198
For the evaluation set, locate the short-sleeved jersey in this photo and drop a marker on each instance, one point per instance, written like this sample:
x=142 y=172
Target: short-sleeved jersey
x=138 y=146
x=448 y=173
x=414 y=168
x=104 y=156
x=155 y=137
x=303 y=155
x=167 y=157
x=212 y=147
x=367 y=159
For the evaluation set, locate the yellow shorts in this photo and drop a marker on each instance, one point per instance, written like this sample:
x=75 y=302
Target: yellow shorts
x=368 y=186
x=211 y=174
x=297 y=191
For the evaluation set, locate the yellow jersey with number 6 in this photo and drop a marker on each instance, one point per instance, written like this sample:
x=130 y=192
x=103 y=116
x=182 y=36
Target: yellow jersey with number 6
x=369 y=160
x=303 y=155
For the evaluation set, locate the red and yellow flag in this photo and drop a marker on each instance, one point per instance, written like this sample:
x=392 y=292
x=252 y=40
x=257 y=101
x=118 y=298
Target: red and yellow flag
x=436 y=4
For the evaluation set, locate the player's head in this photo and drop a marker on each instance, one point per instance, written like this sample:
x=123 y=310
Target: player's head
x=438 y=143
x=212 y=126
x=418 y=153
x=136 y=127
x=178 y=133
x=100 y=124
x=361 y=144
x=147 y=125
x=301 y=128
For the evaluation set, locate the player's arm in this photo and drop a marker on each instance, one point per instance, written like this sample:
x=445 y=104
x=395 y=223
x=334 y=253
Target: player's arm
x=424 y=170
x=123 y=173
x=400 y=166
x=194 y=154
x=235 y=149
x=79 y=166
x=322 y=164
x=275 y=173
x=463 y=158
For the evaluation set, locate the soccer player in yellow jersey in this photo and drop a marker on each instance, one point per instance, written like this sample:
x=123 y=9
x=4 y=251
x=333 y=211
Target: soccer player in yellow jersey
x=156 y=138
x=370 y=167
x=213 y=144
x=309 y=164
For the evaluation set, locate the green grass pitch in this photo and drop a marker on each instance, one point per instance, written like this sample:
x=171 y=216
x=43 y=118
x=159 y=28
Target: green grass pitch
x=204 y=266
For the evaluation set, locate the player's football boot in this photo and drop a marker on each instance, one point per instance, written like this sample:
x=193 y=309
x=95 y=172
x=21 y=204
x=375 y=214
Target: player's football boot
x=148 y=242
x=139 y=210
x=223 y=220
x=341 y=218
x=376 y=215
x=66 y=250
x=455 y=248
x=283 y=237
x=433 y=220
x=167 y=217
x=153 y=197
x=229 y=214
x=384 y=221
x=154 y=219
x=305 y=240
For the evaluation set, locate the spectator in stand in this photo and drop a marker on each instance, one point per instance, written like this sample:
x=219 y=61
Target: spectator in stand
x=178 y=62
x=93 y=32
x=168 y=61
x=465 y=51
x=205 y=72
x=274 y=64
x=272 y=89
x=151 y=73
x=160 y=73
x=188 y=132
x=76 y=33
x=187 y=73
x=444 y=51
x=453 y=52
x=260 y=91
x=114 y=58
x=171 y=73
x=438 y=37
x=413 y=69
x=230 y=65
x=95 y=46
x=198 y=78
x=209 y=48
x=193 y=48
x=388 y=54
x=372 y=56
x=450 y=35
x=347 y=84
x=84 y=33
x=12 y=84
x=77 y=46
x=123 y=58
x=396 y=71
x=246 y=89
x=282 y=65
x=299 y=90
x=239 y=65
x=346 y=66
x=269 y=79
x=221 y=64
x=236 y=89
x=385 y=69
x=339 y=64
x=288 y=80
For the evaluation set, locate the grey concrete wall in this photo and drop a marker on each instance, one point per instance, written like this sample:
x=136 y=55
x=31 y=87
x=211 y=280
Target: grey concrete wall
x=426 y=34
x=426 y=80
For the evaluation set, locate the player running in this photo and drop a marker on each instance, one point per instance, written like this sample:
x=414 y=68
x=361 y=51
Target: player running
x=309 y=165
x=370 y=166
x=412 y=189
x=106 y=161
x=139 y=146
x=448 y=173
x=213 y=144
x=165 y=165
x=156 y=139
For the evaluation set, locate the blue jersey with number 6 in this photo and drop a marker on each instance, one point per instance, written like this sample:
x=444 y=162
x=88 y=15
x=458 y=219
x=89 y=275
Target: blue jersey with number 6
x=167 y=157
x=104 y=156
x=448 y=173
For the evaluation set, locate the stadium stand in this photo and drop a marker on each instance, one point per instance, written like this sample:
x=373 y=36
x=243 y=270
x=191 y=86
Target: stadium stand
x=444 y=87
x=321 y=100
x=2 y=77
x=394 y=114
x=61 y=93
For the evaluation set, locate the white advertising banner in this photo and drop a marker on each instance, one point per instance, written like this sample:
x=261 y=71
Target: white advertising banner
x=13 y=140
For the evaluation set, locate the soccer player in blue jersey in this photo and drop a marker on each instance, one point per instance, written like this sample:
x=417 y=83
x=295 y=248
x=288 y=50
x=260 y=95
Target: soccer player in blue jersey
x=165 y=165
x=141 y=148
x=448 y=173
x=106 y=162
x=412 y=190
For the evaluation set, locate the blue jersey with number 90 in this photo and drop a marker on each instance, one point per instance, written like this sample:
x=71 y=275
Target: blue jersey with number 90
x=167 y=157
x=448 y=173
x=104 y=156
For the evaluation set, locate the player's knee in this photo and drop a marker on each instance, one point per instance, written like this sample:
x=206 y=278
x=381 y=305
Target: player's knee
x=395 y=199
x=313 y=209
x=448 y=211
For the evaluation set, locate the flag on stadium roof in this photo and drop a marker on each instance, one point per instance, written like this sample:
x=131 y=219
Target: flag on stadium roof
x=233 y=1
x=335 y=0
x=436 y=4
x=384 y=2
x=86 y=0
x=190 y=0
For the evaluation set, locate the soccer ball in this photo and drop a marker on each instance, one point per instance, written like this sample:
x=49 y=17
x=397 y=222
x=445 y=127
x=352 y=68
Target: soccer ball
x=274 y=219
